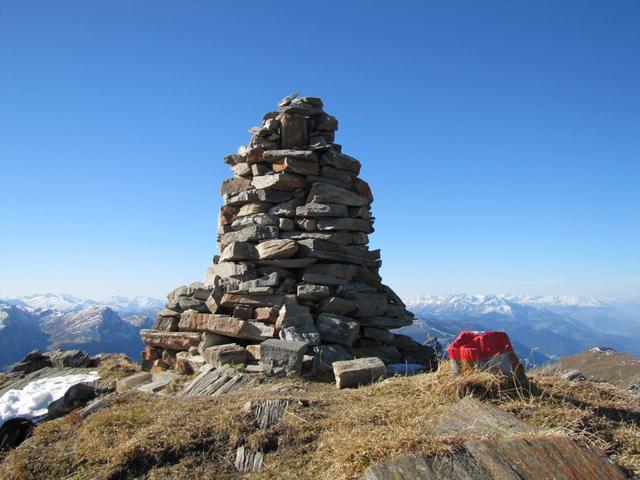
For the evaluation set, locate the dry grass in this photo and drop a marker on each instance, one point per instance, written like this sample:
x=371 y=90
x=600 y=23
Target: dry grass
x=115 y=366
x=325 y=434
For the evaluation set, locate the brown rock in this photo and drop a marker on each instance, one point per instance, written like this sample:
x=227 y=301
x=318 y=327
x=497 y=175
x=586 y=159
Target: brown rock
x=170 y=340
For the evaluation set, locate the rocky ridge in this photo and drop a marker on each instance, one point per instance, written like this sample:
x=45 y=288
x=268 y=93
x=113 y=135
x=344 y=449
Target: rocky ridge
x=295 y=280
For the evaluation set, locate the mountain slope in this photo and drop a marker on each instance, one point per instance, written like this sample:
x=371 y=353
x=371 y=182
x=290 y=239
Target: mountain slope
x=94 y=329
x=19 y=334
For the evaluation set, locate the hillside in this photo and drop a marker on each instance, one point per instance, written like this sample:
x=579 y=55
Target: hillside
x=325 y=433
x=604 y=365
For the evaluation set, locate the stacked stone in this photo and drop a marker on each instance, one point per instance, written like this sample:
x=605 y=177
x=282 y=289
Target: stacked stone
x=295 y=275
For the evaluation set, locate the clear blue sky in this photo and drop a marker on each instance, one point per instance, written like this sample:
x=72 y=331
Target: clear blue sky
x=501 y=139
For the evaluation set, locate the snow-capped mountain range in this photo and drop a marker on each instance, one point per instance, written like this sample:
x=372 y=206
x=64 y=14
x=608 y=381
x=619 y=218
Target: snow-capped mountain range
x=66 y=303
x=46 y=321
x=541 y=328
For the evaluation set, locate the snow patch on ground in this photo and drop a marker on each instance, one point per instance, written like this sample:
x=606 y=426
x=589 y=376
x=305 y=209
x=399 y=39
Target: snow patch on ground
x=32 y=401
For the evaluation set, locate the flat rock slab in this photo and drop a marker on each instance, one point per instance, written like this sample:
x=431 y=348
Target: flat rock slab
x=267 y=413
x=170 y=340
x=361 y=371
x=248 y=461
x=554 y=457
x=133 y=381
x=473 y=417
x=217 y=382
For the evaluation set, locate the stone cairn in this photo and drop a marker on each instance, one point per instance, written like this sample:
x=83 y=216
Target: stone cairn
x=295 y=284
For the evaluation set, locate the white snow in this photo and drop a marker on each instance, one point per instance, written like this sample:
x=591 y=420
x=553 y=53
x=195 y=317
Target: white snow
x=33 y=399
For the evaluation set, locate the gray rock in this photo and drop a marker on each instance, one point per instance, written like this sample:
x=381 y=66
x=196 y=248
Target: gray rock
x=338 y=329
x=307 y=291
x=354 y=224
x=282 y=357
x=326 y=355
x=293 y=315
x=271 y=280
x=361 y=371
x=338 y=305
x=383 y=336
x=274 y=156
x=253 y=233
x=327 y=193
x=254 y=219
x=285 y=209
x=294 y=131
x=307 y=334
x=320 y=279
x=286 y=224
x=322 y=210
x=239 y=251
x=336 y=174
x=235 y=185
x=278 y=181
x=341 y=161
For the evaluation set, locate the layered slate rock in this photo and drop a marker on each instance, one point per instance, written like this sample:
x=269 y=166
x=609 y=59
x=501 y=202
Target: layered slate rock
x=294 y=263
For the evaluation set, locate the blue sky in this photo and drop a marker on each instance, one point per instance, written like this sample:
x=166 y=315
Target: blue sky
x=501 y=139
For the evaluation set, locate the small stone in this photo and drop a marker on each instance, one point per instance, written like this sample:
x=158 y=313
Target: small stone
x=253 y=352
x=253 y=208
x=307 y=334
x=354 y=224
x=278 y=181
x=383 y=336
x=307 y=224
x=238 y=251
x=341 y=161
x=241 y=169
x=255 y=219
x=361 y=371
x=297 y=165
x=225 y=354
x=244 y=312
x=235 y=185
x=281 y=248
x=266 y=314
x=326 y=355
x=286 y=225
x=327 y=193
x=294 y=131
x=322 y=210
x=338 y=329
x=282 y=357
x=166 y=324
x=338 y=305
x=293 y=315
x=170 y=340
x=307 y=291
x=253 y=233
x=336 y=174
